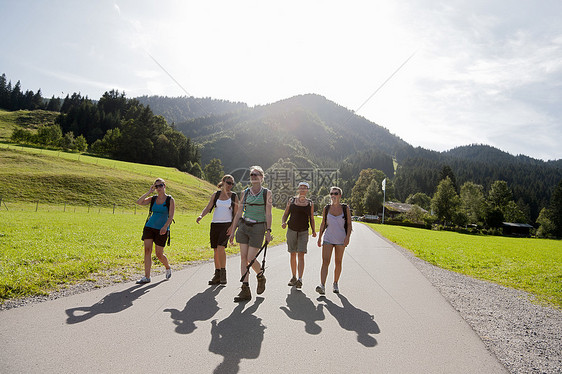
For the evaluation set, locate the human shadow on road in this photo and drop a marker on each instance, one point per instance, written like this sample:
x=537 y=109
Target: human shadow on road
x=238 y=336
x=301 y=308
x=354 y=319
x=115 y=302
x=200 y=307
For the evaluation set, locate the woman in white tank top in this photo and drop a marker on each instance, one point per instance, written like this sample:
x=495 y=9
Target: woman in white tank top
x=225 y=204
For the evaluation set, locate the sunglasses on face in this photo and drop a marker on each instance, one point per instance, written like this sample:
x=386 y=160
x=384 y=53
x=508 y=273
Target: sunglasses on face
x=255 y=175
x=159 y=185
x=334 y=193
x=229 y=183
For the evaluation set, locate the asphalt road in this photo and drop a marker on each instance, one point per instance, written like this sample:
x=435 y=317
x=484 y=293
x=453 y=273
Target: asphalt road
x=388 y=318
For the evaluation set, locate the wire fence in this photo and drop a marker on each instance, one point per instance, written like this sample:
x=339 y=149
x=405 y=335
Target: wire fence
x=37 y=206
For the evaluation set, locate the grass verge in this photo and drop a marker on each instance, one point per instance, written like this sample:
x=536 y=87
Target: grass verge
x=43 y=251
x=532 y=265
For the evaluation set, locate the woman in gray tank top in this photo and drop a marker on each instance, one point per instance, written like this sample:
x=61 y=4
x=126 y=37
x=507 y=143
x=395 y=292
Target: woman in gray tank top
x=336 y=228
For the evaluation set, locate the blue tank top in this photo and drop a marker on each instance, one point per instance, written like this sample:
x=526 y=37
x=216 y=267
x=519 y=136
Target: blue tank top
x=159 y=216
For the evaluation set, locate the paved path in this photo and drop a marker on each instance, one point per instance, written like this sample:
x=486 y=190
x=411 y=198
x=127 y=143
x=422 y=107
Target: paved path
x=387 y=319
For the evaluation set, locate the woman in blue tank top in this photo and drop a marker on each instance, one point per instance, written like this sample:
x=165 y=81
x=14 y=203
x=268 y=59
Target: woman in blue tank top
x=157 y=227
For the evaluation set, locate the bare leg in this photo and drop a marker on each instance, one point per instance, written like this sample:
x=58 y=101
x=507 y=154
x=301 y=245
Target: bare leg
x=301 y=264
x=326 y=258
x=161 y=256
x=243 y=259
x=293 y=263
x=220 y=257
x=147 y=257
x=338 y=260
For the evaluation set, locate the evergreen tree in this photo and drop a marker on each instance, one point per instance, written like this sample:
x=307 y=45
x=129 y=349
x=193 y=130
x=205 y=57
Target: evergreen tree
x=472 y=202
x=54 y=104
x=556 y=210
x=214 y=171
x=4 y=92
x=446 y=171
x=500 y=194
x=445 y=202
x=546 y=227
x=373 y=198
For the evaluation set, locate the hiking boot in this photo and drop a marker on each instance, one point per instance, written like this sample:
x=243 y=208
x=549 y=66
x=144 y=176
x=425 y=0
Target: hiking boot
x=320 y=289
x=244 y=294
x=216 y=278
x=336 y=288
x=223 y=276
x=293 y=281
x=168 y=273
x=143 y=280
x=298 y=283
x=261 y=283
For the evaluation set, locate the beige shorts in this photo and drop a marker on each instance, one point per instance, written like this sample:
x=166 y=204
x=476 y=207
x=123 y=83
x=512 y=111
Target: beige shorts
x=297 y=241
x=252 y=235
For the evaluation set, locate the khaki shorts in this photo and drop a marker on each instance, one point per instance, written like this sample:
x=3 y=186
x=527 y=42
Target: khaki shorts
x=297 y=241
x=250 y=234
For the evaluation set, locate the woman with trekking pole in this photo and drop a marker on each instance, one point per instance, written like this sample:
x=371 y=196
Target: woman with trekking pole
x=157 y=227
x=251 y=223
x=225 y=203
x=300 y=212
x=336 y=228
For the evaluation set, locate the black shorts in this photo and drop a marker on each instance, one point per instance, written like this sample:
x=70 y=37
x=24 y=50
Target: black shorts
x=154 y=234
x=218 y=234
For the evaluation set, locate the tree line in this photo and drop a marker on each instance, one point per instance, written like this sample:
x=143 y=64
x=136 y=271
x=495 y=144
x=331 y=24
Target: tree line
x=471 y=204
x=114 y=126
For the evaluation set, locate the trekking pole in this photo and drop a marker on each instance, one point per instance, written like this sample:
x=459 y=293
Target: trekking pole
x=254 y=259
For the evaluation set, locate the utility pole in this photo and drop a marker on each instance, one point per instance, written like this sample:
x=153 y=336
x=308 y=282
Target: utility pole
x=384 y=197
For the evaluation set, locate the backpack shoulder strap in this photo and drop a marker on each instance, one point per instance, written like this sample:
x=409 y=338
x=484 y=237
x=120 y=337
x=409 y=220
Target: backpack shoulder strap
x=264 y=196
x=217 y=195
x=344 y=208
x=152 y=200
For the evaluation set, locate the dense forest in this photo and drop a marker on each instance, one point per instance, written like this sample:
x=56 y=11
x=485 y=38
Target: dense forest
x=114 y=126
x=184 y=108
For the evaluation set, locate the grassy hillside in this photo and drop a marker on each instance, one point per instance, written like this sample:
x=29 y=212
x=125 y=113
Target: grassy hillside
x=24 y=118
x=54 y=177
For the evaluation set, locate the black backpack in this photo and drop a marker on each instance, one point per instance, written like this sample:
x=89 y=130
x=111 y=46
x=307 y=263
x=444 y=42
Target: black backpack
x=232 y=201
x=327 y=208
x=167 y=205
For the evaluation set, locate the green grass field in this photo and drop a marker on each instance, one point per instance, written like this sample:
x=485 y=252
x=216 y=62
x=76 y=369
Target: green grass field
x=44 y=250
x=532 y=265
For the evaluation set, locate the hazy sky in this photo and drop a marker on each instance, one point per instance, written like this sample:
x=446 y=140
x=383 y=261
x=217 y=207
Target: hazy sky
x=481 y=71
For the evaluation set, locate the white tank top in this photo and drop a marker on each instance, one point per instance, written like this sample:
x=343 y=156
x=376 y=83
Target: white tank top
x=222 y=212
